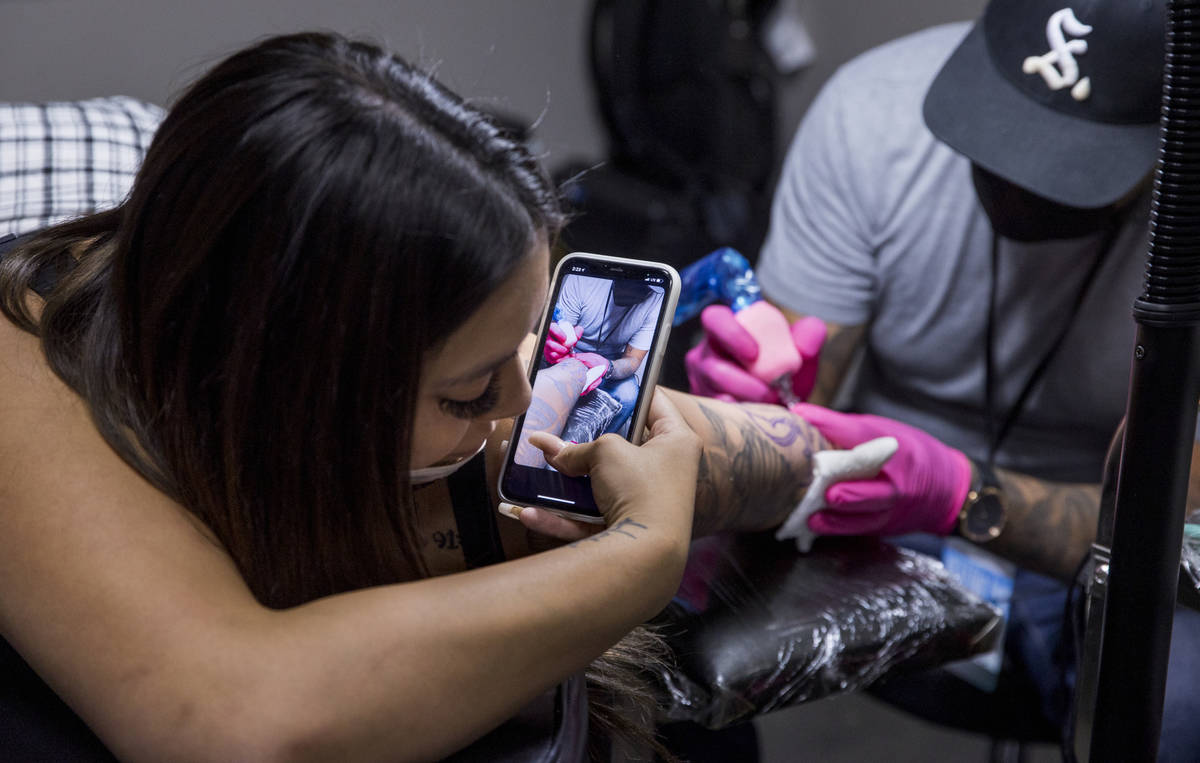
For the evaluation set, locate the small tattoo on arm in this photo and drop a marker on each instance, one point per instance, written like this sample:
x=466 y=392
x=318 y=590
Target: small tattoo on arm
x=626 y=527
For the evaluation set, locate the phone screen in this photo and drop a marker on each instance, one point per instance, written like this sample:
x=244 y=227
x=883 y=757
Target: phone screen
x=607 y=323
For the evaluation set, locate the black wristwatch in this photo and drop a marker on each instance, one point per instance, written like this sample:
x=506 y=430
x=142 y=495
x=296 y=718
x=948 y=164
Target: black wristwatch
x=985 y=509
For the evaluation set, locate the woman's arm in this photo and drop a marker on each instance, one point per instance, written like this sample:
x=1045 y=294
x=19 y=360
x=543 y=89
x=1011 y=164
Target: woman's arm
x=140 y=621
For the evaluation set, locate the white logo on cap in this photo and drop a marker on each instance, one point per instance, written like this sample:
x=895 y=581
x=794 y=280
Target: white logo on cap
x=1058 y=67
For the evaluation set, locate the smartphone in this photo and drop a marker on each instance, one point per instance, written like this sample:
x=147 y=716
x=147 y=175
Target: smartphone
x=608 y=319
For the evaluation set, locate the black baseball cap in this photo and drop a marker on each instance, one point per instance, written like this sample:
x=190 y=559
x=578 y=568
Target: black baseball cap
x=1060 y=97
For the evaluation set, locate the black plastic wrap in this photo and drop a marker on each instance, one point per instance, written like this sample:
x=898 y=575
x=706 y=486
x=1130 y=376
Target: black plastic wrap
x=757 y=626
x=590 y=416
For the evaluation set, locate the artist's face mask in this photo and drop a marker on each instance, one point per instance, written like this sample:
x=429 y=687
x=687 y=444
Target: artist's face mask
x=626 y=293
x=1019 y=215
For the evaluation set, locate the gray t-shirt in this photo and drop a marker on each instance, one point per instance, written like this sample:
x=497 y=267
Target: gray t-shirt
x=876 y=222
x=608 y=328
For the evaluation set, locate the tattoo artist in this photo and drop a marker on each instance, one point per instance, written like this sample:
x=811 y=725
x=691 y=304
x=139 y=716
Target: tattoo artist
x=966 y=209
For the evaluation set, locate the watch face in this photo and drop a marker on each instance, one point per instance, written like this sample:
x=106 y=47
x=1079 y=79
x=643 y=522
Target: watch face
x=984 y=517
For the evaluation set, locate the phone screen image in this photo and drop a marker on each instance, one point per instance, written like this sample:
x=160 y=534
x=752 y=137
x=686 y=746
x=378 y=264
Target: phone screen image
x=593 y=372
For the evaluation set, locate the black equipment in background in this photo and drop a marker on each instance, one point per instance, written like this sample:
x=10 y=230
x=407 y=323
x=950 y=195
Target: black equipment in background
x=1134 y=571
x=686 y=92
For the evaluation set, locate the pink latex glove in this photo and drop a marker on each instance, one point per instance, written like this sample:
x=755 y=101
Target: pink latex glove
x=920 y=489
x=593 y=361
x=558 y=344
x=741 y=354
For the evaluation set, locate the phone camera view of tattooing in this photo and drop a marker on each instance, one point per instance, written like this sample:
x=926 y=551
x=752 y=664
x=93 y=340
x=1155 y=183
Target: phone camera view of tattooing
x=594 y=367
x=603 y=327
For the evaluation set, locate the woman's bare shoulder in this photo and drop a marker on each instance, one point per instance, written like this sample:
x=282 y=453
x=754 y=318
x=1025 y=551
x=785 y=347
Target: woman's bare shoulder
x=44 y=425
x=97 y=567
x=51 y=452
x=38 y=412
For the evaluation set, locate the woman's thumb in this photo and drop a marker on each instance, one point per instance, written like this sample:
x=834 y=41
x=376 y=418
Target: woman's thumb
x=571 y=459
x=663 y=417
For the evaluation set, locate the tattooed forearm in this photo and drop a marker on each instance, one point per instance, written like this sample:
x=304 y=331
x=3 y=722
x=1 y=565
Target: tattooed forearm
x=760 y=480
x=755 y=464
x=1050 y=525
x=555 y=392
x=623 y=368
x=780 y=426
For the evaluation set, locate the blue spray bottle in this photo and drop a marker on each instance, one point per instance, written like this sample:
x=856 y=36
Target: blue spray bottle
x=725 y=276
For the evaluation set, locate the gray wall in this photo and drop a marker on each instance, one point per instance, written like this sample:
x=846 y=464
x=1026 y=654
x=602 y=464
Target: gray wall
x=523 y=56
x=842 y=29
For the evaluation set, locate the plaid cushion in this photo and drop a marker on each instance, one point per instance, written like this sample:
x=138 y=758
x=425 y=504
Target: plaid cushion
x=60 y=160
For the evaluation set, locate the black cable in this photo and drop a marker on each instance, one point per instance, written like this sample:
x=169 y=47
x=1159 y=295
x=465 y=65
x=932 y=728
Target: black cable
x=1073 y=627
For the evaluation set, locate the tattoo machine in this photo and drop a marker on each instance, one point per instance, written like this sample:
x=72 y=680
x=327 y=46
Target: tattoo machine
x=830 y=467
x=725 y=276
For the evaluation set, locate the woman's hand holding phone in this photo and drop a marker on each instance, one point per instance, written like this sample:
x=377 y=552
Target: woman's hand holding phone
x=653 y=484
x=614 y=303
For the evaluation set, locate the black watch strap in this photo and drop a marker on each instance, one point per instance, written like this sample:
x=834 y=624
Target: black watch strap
x=987 y=475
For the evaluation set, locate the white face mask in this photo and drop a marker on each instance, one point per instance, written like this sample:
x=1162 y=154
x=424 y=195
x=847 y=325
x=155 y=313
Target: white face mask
x=431 y=473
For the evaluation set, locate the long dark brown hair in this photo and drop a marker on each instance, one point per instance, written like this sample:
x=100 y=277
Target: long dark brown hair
x=247 y=329
x=313 y=215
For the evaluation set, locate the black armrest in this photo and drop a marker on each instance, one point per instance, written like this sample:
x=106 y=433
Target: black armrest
x=758 y=626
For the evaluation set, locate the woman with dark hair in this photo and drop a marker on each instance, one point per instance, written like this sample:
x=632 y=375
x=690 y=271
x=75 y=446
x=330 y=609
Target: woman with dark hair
x=231 y=405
